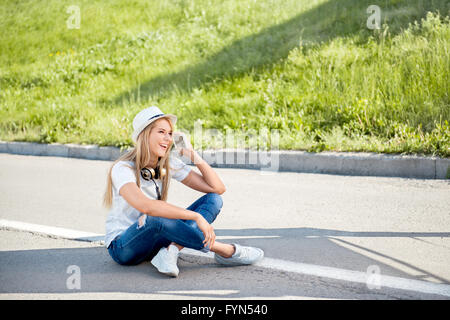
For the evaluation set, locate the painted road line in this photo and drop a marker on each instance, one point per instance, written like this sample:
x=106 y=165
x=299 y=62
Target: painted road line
x=344 y=275
x=52 y=231
x=270 y=263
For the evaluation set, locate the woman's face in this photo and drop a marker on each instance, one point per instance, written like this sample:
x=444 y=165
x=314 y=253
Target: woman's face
x=160 y=137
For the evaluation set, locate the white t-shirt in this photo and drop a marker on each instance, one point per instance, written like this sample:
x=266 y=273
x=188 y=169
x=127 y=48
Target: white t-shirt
x=122 y=215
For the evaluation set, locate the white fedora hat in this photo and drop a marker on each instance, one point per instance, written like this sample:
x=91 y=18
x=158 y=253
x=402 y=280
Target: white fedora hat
x=147 y=116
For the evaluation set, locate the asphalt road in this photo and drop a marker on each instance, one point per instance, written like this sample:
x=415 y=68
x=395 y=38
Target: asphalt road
x=398 y=228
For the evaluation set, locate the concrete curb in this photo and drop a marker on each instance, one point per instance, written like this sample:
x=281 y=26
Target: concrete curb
x=269 y=162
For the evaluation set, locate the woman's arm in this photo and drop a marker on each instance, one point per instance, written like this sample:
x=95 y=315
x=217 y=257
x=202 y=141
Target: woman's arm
x=157 y=208
x=208 y=181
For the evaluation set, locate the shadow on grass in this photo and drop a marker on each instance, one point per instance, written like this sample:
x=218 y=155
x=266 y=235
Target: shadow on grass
x=331 y=19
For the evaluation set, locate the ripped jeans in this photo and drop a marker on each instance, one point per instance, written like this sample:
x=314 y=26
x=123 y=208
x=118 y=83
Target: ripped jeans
x=142 y=241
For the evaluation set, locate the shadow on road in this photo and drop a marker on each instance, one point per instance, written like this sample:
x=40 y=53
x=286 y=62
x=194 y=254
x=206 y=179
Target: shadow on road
x=45 y=270
x=304 y=240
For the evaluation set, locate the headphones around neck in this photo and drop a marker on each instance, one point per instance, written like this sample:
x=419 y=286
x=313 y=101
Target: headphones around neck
x=150 y=174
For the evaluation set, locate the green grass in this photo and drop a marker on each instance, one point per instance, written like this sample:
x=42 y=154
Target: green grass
x=310 y=69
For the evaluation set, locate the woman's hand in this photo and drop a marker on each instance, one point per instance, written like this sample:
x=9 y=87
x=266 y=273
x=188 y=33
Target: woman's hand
x=208 y=231
x=185 y=149
x=182 y=143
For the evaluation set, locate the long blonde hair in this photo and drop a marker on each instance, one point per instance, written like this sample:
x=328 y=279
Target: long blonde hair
x=140 y=155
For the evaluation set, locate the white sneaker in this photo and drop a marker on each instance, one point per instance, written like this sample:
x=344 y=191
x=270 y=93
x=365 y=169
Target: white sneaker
x=242 y=256
x=166 y=261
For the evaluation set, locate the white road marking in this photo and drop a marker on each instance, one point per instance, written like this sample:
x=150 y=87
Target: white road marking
x=52 y=231
x=245 y=237
x=343 y=274
x=205 y=292
x=277 y=264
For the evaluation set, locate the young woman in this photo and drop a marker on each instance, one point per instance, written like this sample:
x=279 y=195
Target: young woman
x=141 y=224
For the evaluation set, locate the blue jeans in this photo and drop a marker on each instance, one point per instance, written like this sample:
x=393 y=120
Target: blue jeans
x=142 y=243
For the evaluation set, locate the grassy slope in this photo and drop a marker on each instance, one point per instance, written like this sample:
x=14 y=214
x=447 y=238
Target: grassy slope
x=309 y=69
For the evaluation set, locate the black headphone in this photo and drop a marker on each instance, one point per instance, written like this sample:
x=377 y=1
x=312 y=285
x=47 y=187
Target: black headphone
x=150 y=174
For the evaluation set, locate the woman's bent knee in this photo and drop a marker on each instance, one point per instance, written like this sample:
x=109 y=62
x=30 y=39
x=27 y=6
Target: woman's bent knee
x=216 y=199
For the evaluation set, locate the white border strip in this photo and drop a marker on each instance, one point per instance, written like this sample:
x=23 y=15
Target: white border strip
x=277 y=264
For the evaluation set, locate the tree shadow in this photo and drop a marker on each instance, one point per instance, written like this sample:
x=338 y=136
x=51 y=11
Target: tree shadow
x=46 y=270
x=322 y=23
